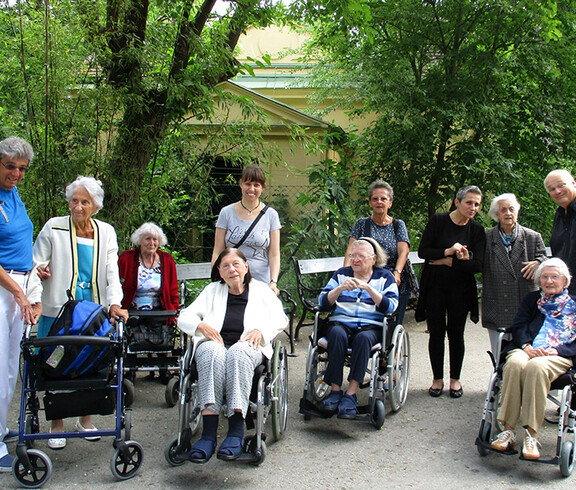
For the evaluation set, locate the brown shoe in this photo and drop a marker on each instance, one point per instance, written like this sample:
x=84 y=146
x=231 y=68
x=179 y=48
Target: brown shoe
x=504 y=441
x=530 y=447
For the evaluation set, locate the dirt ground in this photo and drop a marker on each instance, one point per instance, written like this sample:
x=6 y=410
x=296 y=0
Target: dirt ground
x=428 y=444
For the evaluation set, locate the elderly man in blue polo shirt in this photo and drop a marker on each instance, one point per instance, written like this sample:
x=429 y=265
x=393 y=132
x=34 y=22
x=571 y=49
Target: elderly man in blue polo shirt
x=15 y=266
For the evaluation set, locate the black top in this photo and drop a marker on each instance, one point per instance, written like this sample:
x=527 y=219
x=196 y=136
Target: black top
x=563 y=239
x=233 y=325
x=441 y=233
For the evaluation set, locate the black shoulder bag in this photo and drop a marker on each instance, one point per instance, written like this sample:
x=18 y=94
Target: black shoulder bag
x=249 y=230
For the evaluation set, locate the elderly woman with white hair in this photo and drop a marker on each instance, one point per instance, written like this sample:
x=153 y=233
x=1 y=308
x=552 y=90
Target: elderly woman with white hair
x=542 y=348
x=148 y=275
x=513 y=253
x=77 y=253
x=359 y=297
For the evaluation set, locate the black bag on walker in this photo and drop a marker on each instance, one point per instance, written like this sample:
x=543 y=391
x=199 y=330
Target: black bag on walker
x=79 y=317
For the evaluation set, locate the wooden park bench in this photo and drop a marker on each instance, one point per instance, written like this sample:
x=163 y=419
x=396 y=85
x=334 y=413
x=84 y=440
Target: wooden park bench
x=201 y=272
x=313 y=274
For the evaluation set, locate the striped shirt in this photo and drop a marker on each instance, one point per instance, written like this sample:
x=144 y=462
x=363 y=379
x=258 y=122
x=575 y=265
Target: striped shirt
x=356 y=308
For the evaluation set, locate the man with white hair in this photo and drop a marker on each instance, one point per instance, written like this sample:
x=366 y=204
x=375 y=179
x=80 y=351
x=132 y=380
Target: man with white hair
x=562 y=189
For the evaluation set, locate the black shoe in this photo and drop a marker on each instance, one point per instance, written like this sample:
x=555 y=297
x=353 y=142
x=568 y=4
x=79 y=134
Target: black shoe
x=456 y=393
x=435 y=392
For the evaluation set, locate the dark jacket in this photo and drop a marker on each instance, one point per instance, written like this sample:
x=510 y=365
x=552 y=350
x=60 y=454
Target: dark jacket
x=503 y=285
x=528 y=322
x=563 y=239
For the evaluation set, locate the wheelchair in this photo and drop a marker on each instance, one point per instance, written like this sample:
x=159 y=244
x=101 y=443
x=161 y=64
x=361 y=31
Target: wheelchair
x=153 y=345
x=268 y=398
x=565 y=385
x=388 y=368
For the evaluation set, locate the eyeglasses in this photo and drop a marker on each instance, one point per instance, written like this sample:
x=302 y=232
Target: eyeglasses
x=233 y=265
x=359 y=257
x=11 y=166
x=554 y=278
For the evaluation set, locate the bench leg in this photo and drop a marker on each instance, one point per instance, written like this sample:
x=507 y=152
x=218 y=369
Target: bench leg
x=300 y=323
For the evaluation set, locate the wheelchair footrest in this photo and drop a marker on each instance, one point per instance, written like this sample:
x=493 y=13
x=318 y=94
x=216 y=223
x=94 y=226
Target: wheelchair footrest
x=487 y=445
x=309 y=408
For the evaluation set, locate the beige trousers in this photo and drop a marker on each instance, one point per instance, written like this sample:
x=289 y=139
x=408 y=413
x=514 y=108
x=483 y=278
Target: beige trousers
x=525 y=386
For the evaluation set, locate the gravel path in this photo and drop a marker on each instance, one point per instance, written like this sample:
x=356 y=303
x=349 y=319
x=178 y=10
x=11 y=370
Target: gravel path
x=428 y=444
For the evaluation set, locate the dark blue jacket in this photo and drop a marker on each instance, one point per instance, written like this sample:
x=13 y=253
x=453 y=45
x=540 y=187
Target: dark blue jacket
x=527 y=324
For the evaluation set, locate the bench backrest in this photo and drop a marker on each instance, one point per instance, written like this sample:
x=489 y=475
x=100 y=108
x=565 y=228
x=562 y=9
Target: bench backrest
x=190 y=272
x=316 y=266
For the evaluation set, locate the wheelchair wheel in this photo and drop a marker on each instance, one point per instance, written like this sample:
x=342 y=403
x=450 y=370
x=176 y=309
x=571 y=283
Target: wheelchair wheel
x=128 y=392
x=172 y=456
x=39 y=473
x=171 y=393
x=125 y=466
x=566 y=459
x=320 y=390
x=399 y=368
x=379 y=416
x=484 y=437
x=195 y=418
x=259 y=455
x=279 y=391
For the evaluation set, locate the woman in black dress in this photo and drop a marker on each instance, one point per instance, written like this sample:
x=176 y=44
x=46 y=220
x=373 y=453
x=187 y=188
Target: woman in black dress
x=453 y=247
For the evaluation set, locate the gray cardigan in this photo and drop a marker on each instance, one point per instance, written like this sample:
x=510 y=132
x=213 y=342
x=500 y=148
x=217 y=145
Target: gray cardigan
x=503 y=286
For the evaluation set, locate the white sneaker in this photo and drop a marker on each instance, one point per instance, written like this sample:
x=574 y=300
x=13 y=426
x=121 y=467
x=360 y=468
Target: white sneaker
x=530 y=447
x=504 y=441
x=56 y=442
x=81 y=428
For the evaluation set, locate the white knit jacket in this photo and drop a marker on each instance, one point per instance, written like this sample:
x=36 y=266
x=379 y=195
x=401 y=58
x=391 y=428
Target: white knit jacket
x=264 y=312
x=56 y=247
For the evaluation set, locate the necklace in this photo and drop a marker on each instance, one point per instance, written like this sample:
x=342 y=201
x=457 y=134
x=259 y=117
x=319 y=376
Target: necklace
x=250 y=210
x=151 y=264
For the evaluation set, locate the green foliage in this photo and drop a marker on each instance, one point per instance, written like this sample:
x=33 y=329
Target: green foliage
x=113 y=89
x=460 y=92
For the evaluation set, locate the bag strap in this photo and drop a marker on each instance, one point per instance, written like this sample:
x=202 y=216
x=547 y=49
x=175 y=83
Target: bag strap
x=249 y=230
x=367 y=227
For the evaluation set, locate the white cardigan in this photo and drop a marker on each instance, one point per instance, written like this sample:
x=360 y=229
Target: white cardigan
x=56 y=246
x=264 y=312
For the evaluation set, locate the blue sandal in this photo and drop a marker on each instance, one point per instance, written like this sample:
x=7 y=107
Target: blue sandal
x=202 y=451
x=230 y=449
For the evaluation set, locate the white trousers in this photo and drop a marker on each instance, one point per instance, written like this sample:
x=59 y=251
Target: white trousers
x=226 y=373
x=11 y=329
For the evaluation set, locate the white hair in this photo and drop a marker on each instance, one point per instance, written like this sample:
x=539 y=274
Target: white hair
x=373 y=245
x=558 y=264
x=146 y=229
x=495 y=204
x=92 y=186
x=564 y=174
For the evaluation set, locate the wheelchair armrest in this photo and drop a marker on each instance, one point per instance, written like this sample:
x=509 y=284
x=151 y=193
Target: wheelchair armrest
x=160 y=314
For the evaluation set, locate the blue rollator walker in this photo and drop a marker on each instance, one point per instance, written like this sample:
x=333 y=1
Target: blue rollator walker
x=98 y=393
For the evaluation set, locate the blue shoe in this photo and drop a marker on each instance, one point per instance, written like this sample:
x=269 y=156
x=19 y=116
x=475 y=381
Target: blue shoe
x=348 y=408
x=331 y=402
x=230 y=449
x=12 y=436
x=6 y=463
x=202 y=451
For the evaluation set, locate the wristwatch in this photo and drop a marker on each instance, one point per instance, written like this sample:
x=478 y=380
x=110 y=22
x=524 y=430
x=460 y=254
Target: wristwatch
x=398 y=271
x=526 y=345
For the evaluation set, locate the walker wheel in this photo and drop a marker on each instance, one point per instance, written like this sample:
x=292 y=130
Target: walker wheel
x=39 y=472
x=126 y=463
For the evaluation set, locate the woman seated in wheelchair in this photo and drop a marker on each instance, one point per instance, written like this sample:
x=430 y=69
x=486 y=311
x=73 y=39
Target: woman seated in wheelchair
x=359 y=297
x=233 y=321
x=542 y=349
